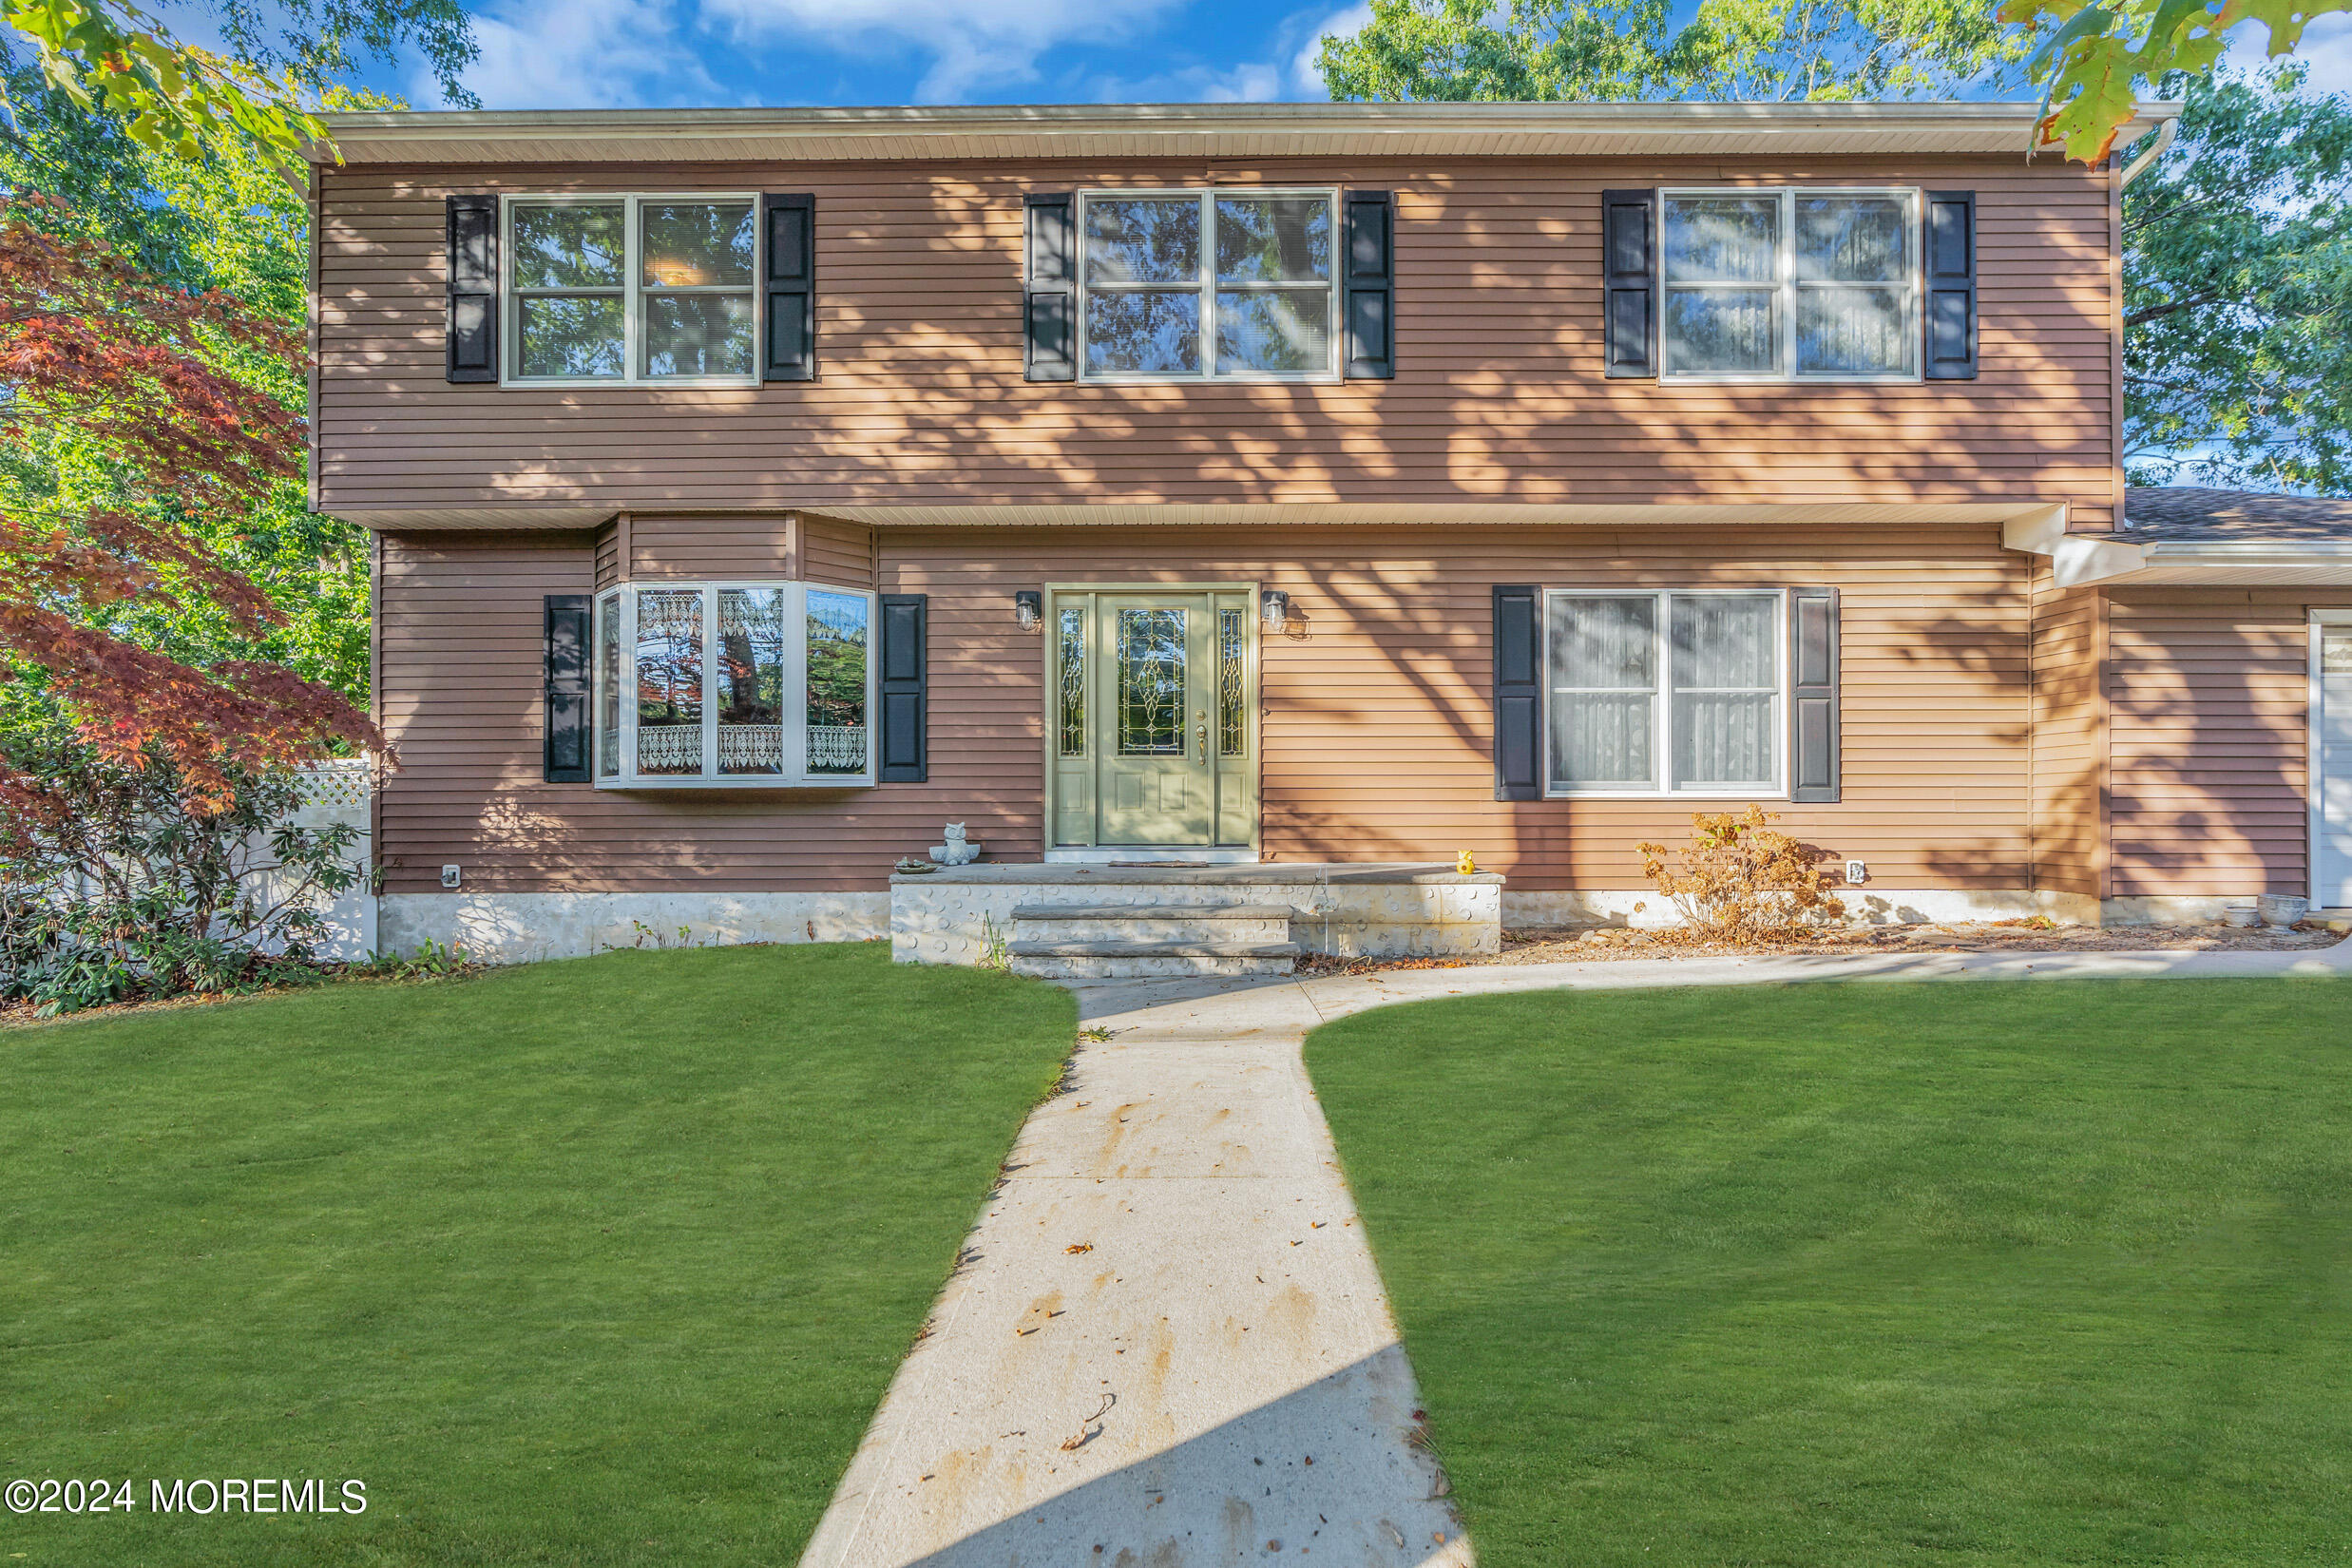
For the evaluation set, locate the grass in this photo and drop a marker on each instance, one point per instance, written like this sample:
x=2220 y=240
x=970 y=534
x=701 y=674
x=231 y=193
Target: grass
x=1888 y=1274
x=598 y=1262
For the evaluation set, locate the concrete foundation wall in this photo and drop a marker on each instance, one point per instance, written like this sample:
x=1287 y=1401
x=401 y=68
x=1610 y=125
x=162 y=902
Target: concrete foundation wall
x=519 y=928
x=1647 y=908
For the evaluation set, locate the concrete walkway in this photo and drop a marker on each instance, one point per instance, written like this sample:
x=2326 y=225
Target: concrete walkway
x=1166 y=1345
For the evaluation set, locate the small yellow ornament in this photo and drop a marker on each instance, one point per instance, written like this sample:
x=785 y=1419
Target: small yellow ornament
x=1463 y=864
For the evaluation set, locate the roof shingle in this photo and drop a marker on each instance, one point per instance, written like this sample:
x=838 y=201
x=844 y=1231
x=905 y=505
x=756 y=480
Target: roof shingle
x=2169 y=512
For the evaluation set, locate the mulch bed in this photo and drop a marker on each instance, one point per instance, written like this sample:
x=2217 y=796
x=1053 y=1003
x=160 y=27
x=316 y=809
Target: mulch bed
x=1583 y=945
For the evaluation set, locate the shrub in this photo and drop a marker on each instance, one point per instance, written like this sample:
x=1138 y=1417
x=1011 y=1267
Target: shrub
x=118 y=883
x=1742 y=883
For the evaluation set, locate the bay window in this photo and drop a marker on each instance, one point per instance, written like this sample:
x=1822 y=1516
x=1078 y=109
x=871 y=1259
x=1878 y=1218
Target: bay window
x=1664 y=693
x=632 y=289
x=1207 y=285
x=1791 y=285
x=734 y=683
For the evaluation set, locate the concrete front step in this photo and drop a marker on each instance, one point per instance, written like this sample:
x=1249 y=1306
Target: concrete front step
x=1131 y=960
x=1155 y=922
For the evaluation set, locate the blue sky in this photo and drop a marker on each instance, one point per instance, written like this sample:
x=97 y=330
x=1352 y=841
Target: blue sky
x=594 y=53
x=627 y=53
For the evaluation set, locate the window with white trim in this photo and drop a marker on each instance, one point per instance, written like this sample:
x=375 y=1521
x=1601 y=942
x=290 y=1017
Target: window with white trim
x=1794 y=285
x=1207 y=285
x=759 y=685
x=632 y=289
x=1664 y=693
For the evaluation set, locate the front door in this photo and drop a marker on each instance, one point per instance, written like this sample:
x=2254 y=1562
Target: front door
x=2331 y=764
x=1152 y=726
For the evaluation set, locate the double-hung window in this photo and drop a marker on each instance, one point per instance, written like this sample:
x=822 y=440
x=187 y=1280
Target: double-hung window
x=1664 y=693
x=734 y=683
x=1805 y=285
x=632 y=289
x=1207 y=285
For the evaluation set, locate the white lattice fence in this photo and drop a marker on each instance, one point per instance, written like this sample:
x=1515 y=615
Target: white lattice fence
x=335 y=793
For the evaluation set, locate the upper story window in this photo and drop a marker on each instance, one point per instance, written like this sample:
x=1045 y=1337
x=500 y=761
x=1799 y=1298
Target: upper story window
x=760 y=684
x=1807 y=285
x=632 y=289
x=1207 y=285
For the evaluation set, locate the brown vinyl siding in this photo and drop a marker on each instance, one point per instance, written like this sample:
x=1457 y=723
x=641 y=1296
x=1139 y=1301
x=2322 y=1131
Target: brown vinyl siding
x=607 y=556
x=2209 y=693
x=837 y=552
x=2069 y=737
x=1376 y=727
x=1497 y=397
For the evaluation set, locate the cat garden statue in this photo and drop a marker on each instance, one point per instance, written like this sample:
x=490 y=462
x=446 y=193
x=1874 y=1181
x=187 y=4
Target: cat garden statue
x=958 y=851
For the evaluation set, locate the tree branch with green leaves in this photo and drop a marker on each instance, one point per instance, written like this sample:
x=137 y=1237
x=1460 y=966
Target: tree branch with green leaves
x=118 y=59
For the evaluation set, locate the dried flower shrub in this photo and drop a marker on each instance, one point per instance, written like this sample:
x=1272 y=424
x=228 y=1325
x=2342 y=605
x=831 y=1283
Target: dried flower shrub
x=1742 y=884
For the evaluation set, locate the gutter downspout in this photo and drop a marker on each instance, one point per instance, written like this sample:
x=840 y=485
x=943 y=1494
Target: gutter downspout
x=2165 y=133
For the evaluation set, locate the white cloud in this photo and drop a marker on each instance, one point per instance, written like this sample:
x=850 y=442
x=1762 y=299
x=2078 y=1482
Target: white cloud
x=972 y=44
x=2325 y=45
x=1340 y=24
x=1287 y=72
x=551 y=54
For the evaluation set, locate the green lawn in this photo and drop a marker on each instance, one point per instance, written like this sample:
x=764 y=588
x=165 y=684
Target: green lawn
x=595 y=1262
x=1872 y=1274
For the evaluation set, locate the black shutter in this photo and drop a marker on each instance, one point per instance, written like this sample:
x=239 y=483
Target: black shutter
x=1372 y=286
x=1951 y=312
x=905 y=751
x=1629 y=226
x=1813 y=694
x=789 y=224
x=1049 y=287
x=474 y=288
x=566 y=635
x=1518 y=699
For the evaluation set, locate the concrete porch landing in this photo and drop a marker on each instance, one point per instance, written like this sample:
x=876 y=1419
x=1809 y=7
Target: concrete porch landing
x=965 y=914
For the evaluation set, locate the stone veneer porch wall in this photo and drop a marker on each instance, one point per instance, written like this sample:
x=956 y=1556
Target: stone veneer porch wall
x=1345 y=908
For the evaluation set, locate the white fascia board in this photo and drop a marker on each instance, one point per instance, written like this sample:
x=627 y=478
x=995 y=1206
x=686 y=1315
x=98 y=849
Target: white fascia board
x=2081 y=560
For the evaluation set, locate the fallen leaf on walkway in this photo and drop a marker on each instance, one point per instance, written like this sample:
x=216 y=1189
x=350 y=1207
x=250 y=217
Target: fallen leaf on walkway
x=1088 y=1429
x=1079 y=1247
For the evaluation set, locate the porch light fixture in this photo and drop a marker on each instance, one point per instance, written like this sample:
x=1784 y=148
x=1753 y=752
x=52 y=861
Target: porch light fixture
x=1029 y=608
x=1273 y=608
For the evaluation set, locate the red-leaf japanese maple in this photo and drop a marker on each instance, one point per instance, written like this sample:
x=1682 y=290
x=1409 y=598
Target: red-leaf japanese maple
x=135 y=369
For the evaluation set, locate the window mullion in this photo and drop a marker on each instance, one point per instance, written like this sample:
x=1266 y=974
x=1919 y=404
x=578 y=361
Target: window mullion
x=1662 y=689
x=631 y=302
x=711 y=647
x=793 y=699
x=628 y=680
x=1209 y=368
x=1787 y=263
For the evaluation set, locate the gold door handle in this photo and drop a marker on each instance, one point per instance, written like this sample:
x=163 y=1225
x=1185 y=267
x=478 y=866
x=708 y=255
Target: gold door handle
x=1200 y=732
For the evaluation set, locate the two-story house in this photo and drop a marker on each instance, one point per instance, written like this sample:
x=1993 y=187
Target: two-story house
x=1280 y=486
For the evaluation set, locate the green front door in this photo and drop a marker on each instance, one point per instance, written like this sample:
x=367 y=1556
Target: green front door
x=1151 y=726
x=1152 y=697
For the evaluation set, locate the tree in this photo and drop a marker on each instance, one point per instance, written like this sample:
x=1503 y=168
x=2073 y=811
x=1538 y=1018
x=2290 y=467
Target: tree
x=2093 y=54
x=2238 y=291
x=228 y=223
x=130 y=370
x=115 y=58
x=1454 y=51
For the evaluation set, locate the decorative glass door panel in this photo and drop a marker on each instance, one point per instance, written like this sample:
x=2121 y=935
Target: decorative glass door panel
x=2331 y=767
x=1150 y=720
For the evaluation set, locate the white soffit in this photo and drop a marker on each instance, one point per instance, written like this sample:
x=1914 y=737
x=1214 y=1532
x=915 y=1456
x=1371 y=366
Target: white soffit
x=972 y=133
x=402 y=519
x=1336 y=514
